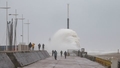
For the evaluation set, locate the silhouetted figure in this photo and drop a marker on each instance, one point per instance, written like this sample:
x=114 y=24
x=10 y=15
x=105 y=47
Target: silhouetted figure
x=55 y=55
x=43 y=46
x=78 y=52
x=30 y=45
x=61 y=53
x=39 y=45
x=65 y=54
x=52 y=52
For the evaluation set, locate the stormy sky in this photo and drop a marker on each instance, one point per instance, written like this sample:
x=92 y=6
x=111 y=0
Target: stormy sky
x=97 y=22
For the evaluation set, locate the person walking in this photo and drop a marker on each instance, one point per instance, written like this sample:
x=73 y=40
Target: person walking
x=33 y=46
x=39 y=45
x=78 y=52
x=61 y=53
x=43 y=46
x=65 y=54
x=30 y=45
x=52 y=52
x=55 y=55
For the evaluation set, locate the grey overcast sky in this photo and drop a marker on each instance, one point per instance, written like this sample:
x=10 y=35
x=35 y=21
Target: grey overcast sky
x=97 y=22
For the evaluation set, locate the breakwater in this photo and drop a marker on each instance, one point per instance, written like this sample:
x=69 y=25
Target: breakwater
x=14 y=59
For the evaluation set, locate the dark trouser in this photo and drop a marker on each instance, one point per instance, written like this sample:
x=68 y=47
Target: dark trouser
x=39 y=48
x=55 y=57
x=61 y=55
x=65 y=56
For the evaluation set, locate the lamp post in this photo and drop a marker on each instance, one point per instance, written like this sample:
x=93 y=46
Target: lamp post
x=22 y=27
x=6 y=20
x=67 y=16
x=28 y=30
x=15 y=47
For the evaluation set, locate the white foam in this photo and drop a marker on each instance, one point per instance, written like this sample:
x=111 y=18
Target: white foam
x=65 y=39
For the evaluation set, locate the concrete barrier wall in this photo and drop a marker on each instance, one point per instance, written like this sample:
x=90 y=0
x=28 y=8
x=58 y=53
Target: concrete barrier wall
x=47 y=54
x=22 y=58
x=104 y=62
x=40 y=55
x=5 y=61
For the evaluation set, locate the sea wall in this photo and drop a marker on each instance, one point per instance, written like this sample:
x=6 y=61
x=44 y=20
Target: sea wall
x=21 y=58
x=5 y=61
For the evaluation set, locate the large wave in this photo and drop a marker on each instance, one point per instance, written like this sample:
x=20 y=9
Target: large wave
x=65 y=39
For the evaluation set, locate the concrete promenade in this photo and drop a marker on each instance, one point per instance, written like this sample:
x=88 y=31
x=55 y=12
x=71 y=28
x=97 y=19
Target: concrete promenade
x=61 y=62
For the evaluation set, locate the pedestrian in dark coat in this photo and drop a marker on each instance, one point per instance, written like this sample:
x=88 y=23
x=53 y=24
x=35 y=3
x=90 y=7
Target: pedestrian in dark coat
x=65 y=54
x=30 y=45
x=78 y=52
x=39 y=45
x=55 y=55
x=43 y=46
x=61 y=53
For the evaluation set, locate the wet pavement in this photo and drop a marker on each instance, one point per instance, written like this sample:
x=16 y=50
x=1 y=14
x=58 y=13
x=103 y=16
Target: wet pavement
x=61 y=62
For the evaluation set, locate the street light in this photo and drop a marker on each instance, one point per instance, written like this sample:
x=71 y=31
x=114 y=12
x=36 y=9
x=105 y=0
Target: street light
x=22 y=26
x=28 y=30
x=15 y=47
x=6 y=19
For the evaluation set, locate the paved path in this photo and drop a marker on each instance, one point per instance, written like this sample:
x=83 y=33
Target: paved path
x=61 y=62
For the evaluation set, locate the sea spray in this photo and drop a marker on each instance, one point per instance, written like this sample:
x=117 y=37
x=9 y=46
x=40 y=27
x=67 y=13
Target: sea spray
x=65 y=39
